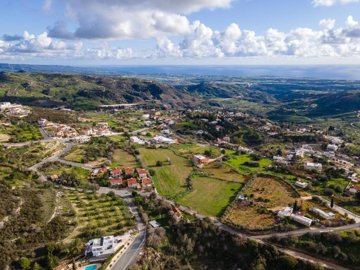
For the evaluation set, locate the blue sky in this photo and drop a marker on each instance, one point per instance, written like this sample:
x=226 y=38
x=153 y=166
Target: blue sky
x=88 y=32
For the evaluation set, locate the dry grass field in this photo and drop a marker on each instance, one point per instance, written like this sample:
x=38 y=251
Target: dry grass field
x=224 y=172
x=266 y=194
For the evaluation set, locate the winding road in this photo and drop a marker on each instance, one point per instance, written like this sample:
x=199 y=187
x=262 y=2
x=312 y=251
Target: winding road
x=132 y=253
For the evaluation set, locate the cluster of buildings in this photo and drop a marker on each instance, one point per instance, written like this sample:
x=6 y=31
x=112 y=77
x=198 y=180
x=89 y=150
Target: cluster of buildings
x=157 y=140
x=100 y=129
x=14 y=110
x=57 y=130
x=128 y=177
x=287 y=212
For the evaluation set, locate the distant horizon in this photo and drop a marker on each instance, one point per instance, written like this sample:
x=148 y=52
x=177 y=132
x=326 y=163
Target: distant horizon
x=320 y=72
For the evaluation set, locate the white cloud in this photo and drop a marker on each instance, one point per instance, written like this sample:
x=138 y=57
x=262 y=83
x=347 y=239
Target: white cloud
x=196 y=40
x=39 y=45
x=127 y=19
x=327 y=23
x=106 y=52
x=330 y=3
x=301 y=42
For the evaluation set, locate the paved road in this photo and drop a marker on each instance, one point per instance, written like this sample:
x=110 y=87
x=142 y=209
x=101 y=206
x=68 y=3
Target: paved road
x=260 y=238
x=341 y=210
x=76 y=164
x=132 y=253
x=309 y=230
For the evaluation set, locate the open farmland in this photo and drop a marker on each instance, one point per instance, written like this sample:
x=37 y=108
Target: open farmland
x=76 y=154
x=98 y=215
x=123 y=159
x=209 y=196
x=169 y=179
x=266 y=194
x=20 y=132
x=239 y=163
x=224 y=172
x=188 y=150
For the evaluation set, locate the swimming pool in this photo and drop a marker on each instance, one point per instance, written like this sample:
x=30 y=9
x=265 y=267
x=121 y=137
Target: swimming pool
x=91 y=267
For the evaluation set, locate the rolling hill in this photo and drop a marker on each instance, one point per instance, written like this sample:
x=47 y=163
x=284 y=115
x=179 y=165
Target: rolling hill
x=86 y=92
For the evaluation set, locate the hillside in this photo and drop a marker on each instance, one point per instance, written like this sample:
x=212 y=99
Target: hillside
x=337 y=103
x=85 y=92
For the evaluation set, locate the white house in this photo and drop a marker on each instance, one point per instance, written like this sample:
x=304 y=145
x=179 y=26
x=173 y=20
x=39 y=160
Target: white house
x=301 y=184
x=200 y=160
x=286 y=212
x=301 y=219
x=136 y=140
x=245 y=150
x=311 y=166
x=104 y=246
x=163 y=140
x=82 y=139
x=322 y=213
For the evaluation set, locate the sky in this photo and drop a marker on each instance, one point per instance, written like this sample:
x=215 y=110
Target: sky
x=176 y=32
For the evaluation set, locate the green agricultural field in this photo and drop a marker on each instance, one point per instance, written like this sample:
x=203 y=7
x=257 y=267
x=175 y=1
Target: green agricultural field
x=210 y=196
x=123 y=159
x=238 y=163
x=96 y=152
x=21 y=132
x=169 y=178
x=76 y=154
x=188 y=150
x=98 y=215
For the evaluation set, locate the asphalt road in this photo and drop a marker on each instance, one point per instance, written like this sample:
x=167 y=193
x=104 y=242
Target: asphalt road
x=132 y=253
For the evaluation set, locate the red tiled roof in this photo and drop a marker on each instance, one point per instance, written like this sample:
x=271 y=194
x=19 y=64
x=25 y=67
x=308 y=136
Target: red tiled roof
x=116 y=171
x=146 y=181
x=141 y=171
x=129 y=171
x=131 y=181
x=115 y=181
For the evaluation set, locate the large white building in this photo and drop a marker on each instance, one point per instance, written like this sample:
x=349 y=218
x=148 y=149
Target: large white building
x=310 y=166
x=288 y=212
x=104 y=246
x=322 y=213
x=301 y=219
